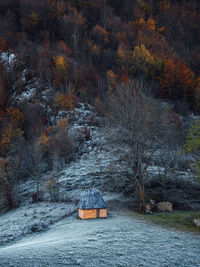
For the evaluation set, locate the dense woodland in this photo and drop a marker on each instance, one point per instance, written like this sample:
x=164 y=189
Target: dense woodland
x=85 y=50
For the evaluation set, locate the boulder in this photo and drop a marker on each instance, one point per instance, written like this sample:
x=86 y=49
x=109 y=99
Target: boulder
x=152 y=202
x=148 y=207
x=165 y=206
x=197 y=222
x=154 y=207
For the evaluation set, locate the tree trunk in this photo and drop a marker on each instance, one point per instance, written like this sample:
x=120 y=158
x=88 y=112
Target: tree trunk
x=9 y=197
x=141 y=194
x=37 y=189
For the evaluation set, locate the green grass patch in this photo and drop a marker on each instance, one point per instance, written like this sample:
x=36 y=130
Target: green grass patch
x=181 y=220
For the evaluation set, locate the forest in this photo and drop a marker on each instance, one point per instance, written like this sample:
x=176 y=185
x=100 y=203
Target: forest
x=125 y=58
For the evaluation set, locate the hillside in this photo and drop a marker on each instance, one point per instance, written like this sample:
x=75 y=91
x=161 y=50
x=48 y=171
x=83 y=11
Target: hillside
x=99 y=94
x=123 y=58
x=102 y=163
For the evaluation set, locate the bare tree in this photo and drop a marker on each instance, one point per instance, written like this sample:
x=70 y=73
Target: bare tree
x=7 y=184
x=146 y=125
x=58 y=163
x=36 y=165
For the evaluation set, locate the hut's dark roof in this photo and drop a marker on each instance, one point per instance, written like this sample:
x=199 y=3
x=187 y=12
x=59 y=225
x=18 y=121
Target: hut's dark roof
x=91 y=199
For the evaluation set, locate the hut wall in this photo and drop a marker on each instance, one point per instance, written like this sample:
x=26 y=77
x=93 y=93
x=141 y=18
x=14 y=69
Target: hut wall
x=103 y=213
x=87 y=214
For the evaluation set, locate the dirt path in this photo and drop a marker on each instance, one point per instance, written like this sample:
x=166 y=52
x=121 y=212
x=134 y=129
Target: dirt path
x=121 y=240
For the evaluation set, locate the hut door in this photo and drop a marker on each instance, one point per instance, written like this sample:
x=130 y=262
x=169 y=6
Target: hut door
x=98 y=213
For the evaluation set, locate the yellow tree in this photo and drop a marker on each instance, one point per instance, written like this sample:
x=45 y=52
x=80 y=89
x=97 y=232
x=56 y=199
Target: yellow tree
x=60 y=70
x=112 y=79
x=61 y=8
x=9 y=136
x=192 y=145
x=141 y=60
x=123 y=54
x=64 y=101
x=151 y=24
x=17 y=117
x=13 y=132
x=61 y=64
x=123 y=60
x=62 y=123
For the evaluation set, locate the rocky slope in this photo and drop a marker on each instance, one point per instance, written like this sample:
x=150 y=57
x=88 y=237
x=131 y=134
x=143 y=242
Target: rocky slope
x=99 y=163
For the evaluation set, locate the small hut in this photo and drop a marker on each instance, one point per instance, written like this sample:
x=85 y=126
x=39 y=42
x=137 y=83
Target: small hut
x=92 y=205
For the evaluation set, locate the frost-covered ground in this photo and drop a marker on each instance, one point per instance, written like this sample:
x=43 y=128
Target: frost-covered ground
x=31 y=218
x=8 y=59
x=101 y=164
x=97 y=166
x=120 y=240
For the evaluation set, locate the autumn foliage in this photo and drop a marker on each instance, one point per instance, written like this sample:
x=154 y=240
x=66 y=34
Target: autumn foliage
x=55 y=139
x=67 y=44
x=13 y=132
x=177 y=80
x=64 y=101
x=68 y=52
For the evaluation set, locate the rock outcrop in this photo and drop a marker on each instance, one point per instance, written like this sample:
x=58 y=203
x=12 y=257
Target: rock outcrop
x=197 y=222
x=148 y=208
x=165 y=206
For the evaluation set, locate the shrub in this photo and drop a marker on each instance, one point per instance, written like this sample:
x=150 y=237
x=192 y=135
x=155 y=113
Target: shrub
x=64 y=101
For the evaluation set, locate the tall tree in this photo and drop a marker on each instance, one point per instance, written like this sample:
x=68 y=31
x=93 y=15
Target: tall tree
x=146 y=124
x=193 y=145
